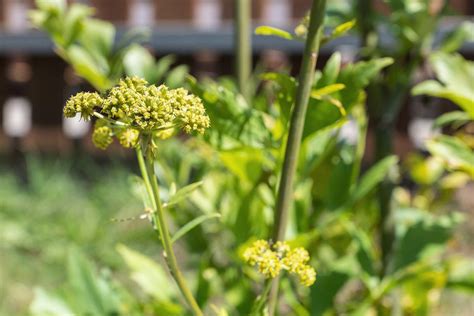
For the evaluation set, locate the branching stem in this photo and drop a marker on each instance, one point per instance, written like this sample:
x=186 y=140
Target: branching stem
x=305 y=83
x=159 y=223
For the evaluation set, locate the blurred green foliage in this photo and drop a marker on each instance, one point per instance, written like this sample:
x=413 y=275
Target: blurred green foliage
x=335 y=214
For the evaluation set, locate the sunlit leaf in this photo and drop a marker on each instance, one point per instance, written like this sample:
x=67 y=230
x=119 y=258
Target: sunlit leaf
x=273 y=31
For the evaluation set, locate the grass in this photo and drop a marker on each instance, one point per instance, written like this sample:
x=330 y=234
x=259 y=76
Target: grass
x=58 y=209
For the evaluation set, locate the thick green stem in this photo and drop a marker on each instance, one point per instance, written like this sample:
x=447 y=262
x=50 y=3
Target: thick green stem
x=305 y=83
x=243 y=39
x=159 y=223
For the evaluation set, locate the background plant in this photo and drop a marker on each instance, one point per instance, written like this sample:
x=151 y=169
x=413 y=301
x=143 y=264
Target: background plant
x=335 y=214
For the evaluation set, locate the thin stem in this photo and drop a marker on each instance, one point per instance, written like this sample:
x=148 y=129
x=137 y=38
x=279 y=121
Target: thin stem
x=305 y=83
x=243 y=39
x=145 y=176
x=158 y=219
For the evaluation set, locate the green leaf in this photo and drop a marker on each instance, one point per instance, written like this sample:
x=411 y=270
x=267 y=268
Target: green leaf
x=319 y=93
x=92 y=294
x=365 y=249
x=457 y=77
x=331 y=70
x=98 y=37
x=373 y=177
x=339 y=31
x=45 y=304
x=162 y=66
x=457 y=118
x=150 y=276
x=455 y=39
x=192 y=224
x=324 y=94
x=183 y=193
x=246 y=163
x=73 y=22
x=323 y=292
x=461 y=275
x=452 y=150
x=138 y=62
x=436 y=89
x=425 y=171
x=423 y=238
x=272 y=31
x=343 y=28
x=86 y=67
x=177 y=76
x=286 y=92
x=47 y=5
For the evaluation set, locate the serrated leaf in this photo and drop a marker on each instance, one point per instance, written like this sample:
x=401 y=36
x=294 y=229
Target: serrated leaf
x=273 y=31
x=192 y=224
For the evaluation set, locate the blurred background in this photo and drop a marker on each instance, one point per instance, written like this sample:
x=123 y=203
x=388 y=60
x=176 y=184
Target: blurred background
x=197 y=32
x=48 y=162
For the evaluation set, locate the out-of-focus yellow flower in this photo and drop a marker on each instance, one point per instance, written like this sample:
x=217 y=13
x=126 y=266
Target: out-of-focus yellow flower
x=271 y=259
x=102 y=136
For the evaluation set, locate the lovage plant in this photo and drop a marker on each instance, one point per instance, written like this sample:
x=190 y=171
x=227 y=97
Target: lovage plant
x=137 y=113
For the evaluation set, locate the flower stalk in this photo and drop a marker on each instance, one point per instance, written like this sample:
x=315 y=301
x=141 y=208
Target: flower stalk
x=293 y=144
x=243 y=46
x=135 y=113
x=146 y=164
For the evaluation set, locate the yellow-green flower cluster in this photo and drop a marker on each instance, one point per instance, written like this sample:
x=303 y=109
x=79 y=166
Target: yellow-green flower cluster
x=128 y=138
x=148 y=107
x=83 y=103
x=134 y=107
x=102 y=136
x=271 y=259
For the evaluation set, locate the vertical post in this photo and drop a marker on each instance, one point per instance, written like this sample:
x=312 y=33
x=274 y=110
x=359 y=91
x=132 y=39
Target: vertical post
x=243 y=39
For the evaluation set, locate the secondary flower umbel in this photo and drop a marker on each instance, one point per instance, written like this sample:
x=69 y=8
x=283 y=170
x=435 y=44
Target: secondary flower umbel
x=134 y=107
x=271 y=259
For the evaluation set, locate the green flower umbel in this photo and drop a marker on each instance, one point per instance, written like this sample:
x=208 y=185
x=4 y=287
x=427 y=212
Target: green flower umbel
x=134 y=107
x=83 y=103
x=271 y=259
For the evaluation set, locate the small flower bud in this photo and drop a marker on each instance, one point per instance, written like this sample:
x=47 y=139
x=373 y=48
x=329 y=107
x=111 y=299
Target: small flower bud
x=102 y=136
x=129 y=137
x=83 y=103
